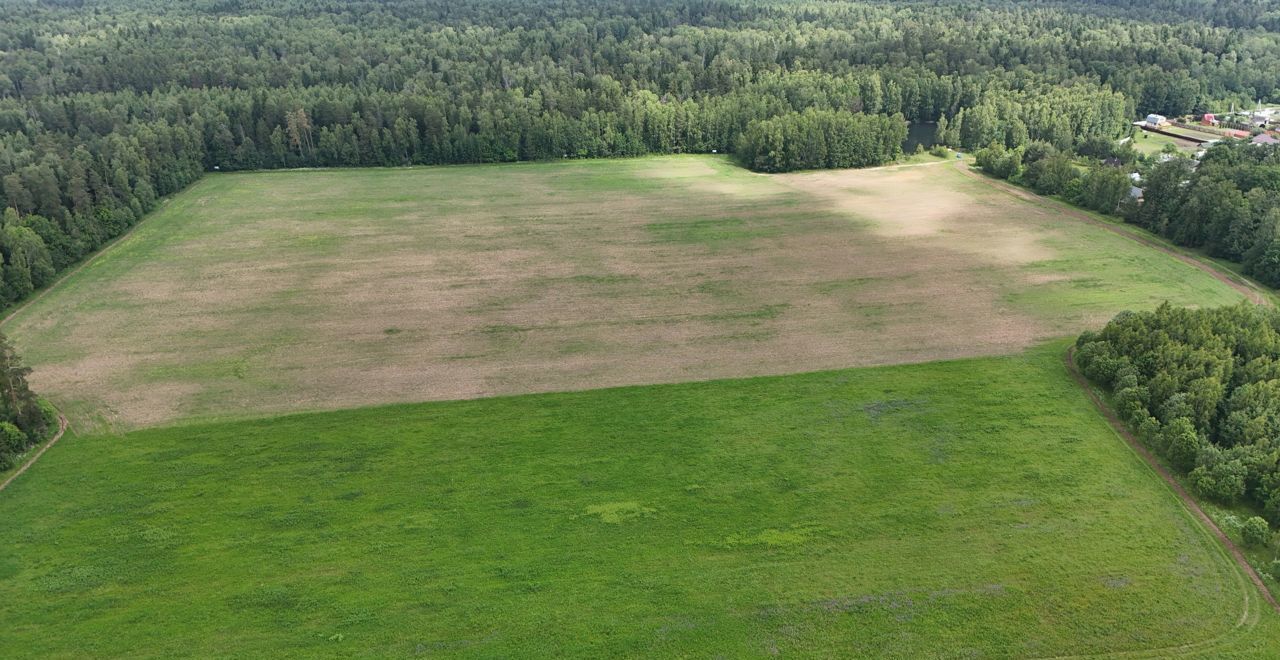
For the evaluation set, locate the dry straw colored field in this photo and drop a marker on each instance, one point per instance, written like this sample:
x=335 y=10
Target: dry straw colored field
x=262 y=293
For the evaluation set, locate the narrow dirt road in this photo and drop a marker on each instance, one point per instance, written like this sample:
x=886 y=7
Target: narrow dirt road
x=1250 y=291
x=1182 y=494
x=62 y=428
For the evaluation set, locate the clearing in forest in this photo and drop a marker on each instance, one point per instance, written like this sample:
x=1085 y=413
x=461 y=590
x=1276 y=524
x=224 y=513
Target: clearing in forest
x=269 y=292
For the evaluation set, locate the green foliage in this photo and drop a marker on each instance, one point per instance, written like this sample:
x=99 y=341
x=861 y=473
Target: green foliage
x=1255 y=531
x=821 y=139
x=1060 y=115
x=722 y=518
x=1229 y=205
x=1202 y=387
x=1051 y=174
x=12 y=439
x=1182 y=443
x=1102 y=188
x=998 y=161
x=1222 y=480
x=23 y=418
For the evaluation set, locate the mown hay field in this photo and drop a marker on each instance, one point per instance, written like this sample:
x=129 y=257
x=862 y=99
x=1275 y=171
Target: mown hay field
x=264 y=293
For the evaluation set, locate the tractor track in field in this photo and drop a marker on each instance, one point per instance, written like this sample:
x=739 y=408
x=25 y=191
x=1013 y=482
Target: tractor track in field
x=1248 y=289
x=1173 y=484
x=62 y=428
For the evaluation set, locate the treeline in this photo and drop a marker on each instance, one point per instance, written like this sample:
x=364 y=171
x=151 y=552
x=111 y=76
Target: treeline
x=79 y=170
x=1229 y=205
x=1227 y=202
x=1063 y=116
x=1170 y=56
x=816 y=139
x=1202 y=389
x=1050 y=171
x=24 y=419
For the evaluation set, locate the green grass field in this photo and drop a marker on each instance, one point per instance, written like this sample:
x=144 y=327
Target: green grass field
x=275 y=292
x=933 y=507
x=1193 y=132
x=975 y=508
x=1154 y=143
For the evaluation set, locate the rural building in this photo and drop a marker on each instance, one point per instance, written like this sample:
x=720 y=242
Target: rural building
x=1135 y=192
x=1209 y=119
x=1264 y=138
x=1156 y=120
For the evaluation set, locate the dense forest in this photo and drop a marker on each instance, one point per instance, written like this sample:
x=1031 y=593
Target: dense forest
x=1202 y=388
x=106 y=106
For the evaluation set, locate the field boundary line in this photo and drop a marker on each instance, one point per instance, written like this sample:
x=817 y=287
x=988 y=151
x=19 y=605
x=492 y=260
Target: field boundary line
x=62 y=428
x=1150 y=460
x=1249 y=289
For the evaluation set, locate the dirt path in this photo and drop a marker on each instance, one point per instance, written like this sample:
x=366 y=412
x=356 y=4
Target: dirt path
x=62 y=428
x=1182 y=494
x=1251 y=292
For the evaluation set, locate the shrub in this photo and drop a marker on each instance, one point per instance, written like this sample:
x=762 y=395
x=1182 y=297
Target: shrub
x=1182 y=443
x=1098 y=362
x=49 y=413
x=1149 y=431
x=1223 y=482
x=1130 y=404
x=1255 y=532
x=1272 y=507
x=12 y=439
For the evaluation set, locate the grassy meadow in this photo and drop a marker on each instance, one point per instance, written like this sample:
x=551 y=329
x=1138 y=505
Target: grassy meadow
x=972 y=508
x=1154 y=143
x=266 y=293
x=655 y=478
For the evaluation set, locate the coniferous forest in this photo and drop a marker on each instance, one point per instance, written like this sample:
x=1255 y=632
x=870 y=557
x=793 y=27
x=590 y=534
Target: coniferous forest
x=106 y=106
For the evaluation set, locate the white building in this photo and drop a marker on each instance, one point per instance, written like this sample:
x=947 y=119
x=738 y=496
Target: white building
x=1156 y=120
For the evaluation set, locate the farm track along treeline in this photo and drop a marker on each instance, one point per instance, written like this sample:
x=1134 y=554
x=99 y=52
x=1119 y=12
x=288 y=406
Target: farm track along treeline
x=62 y=428
x=1173 y=484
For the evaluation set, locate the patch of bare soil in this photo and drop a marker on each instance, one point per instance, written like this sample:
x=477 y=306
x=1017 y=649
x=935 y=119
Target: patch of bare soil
x=907 y=203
